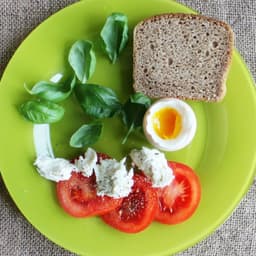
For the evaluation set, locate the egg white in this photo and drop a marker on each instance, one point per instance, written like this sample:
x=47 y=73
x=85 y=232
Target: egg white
x=188 y=125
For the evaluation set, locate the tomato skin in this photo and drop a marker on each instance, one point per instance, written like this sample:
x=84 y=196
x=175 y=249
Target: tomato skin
x=102 y=156
x=78 y=195
x=179 y=200
x=137 y=210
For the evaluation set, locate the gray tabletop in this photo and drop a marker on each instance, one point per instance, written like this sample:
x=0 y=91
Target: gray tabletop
x=237 y=236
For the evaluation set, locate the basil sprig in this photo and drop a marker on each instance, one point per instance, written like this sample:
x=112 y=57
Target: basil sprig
x=98 y=101
x=82 y=60
x=133 y=112
x=41 y=112
x=86 y=135
x=114 y=35
x=54 y=92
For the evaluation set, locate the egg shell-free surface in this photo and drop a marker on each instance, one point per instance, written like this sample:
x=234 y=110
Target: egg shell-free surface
x=222 y=152
x=187 y=124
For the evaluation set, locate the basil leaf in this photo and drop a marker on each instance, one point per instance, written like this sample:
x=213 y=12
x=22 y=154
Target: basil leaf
x=54 y=92
x=41 y=112
x=86 y=135
x=98 y=101
x=133 y=112
x=140 y=98
x=82 y=60
x=114 y=35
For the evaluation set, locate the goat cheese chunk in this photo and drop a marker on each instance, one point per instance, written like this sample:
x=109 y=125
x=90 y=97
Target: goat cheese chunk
x=55 y=169
x=113 y=179
x=154 y=165
x=87 y=163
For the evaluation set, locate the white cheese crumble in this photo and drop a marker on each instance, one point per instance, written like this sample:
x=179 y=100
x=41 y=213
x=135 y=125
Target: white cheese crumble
x=55 y=169
x=154 y=165
x=87 y=164
x=42 y=140
x=113 y=179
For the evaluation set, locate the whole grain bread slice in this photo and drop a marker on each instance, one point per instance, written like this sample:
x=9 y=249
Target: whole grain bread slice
x=183 y=56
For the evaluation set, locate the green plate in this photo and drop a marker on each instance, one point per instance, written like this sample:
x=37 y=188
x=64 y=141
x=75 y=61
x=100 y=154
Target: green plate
x=222 y=153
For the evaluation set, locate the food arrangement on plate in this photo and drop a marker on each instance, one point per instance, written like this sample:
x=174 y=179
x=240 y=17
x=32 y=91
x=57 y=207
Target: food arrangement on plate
x=176 y=57
x=222 y=152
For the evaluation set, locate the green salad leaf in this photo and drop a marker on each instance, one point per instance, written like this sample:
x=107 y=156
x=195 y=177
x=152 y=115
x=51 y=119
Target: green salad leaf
x=98 y=101
x=54 y=92
x=86 y=135
x=41 y=112
x=114 y=35
x=133 y=112
x=82 y=60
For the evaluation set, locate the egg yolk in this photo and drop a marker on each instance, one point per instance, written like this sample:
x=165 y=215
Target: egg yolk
x=167 y=123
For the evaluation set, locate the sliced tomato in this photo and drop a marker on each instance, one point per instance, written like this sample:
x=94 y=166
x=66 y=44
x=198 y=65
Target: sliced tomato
x=137 y=210
x=179 y=200
x=79 y=198
x=102 y=156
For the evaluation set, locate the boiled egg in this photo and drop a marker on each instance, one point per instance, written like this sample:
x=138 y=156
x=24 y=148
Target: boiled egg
x=169 y=124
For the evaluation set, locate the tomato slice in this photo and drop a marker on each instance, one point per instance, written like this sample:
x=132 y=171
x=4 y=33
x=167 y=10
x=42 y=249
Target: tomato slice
x=179 y=200
x=78 y=196
x=102 y=156
x=137 y=210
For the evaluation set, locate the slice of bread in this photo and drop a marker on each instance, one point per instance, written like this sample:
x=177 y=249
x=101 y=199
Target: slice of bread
x=184 y=56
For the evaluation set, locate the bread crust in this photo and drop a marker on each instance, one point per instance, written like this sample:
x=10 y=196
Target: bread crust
x=226 y=65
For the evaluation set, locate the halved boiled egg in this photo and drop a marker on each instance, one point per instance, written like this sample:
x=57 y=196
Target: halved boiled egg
x=169 y=124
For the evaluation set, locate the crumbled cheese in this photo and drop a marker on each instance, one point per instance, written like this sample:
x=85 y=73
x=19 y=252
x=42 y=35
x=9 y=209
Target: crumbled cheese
x=55 y=169
x=87 y=164
x=113 y=179
x=154 y=164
